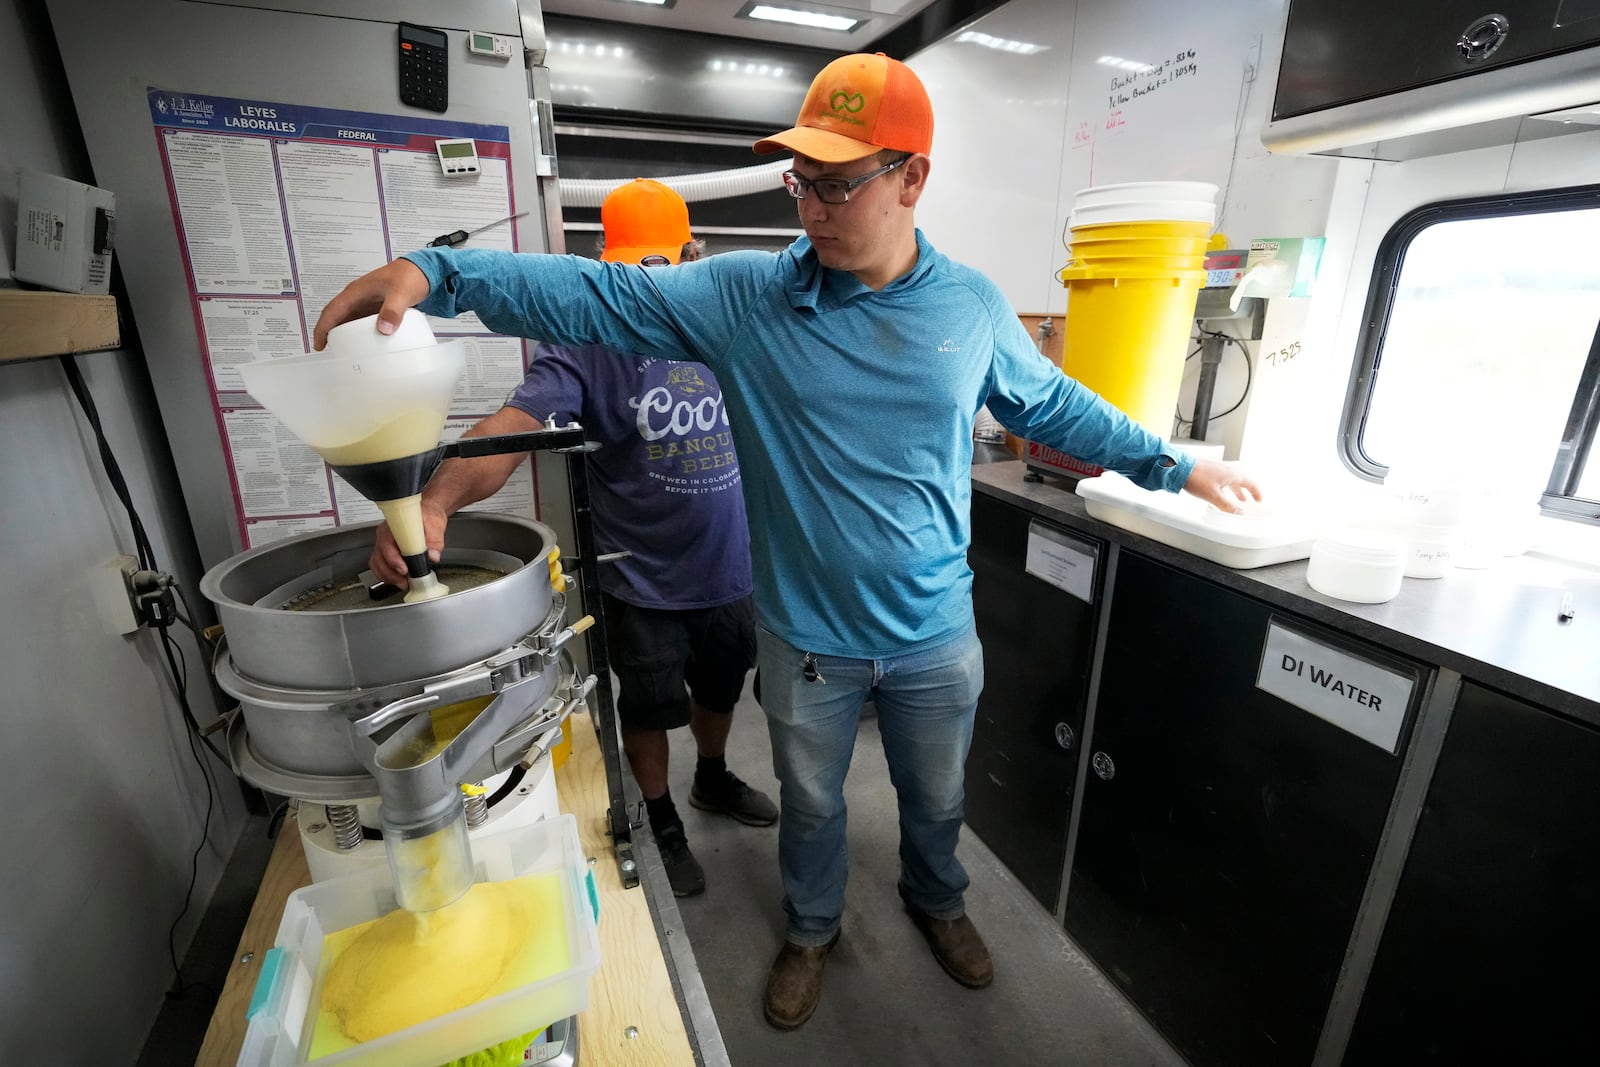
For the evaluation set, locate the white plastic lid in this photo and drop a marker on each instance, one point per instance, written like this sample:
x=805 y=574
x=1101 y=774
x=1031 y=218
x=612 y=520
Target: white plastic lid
x=1112 y=212
x=1362 y=546
x=1123 y=191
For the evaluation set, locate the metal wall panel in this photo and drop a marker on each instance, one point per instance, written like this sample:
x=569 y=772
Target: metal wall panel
x=112 y=53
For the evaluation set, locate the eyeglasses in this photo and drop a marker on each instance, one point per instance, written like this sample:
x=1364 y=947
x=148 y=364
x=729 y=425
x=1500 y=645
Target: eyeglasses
x=655 y=261
x=833 y=190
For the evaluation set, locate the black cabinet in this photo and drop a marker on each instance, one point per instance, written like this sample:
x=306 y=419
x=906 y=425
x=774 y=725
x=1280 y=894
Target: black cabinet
x=1340 y=51
x=1492 y=942
x=1225 y=835
x=1037 y=644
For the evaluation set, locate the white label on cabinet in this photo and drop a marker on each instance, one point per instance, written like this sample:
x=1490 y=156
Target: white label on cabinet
x=1062 y=560
x=1352 y=693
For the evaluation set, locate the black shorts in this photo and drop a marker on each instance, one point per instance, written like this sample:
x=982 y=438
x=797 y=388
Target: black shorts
x=663 y=659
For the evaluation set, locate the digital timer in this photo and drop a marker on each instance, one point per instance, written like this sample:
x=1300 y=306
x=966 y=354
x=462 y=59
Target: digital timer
x=458 y=157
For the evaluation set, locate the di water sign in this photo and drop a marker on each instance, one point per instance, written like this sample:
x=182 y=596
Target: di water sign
x=1352 y=693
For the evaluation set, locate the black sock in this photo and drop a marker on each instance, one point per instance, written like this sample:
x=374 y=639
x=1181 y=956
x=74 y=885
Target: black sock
x=663 y=812
x=711 y=770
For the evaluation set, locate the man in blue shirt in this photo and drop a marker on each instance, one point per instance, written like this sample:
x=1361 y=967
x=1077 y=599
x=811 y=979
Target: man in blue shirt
x=854 y=364
x=665 y=491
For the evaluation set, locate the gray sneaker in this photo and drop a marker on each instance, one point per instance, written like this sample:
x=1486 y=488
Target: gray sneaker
x=683 y=870
x=732 y=797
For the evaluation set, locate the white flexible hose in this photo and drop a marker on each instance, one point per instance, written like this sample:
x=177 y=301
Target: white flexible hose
x=715 y=185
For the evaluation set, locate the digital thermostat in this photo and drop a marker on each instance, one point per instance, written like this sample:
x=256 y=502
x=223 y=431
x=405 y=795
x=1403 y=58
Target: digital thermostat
x=489 y=44
x=458 y=157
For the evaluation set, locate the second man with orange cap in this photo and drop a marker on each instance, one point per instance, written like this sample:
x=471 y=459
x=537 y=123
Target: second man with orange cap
x=665 y=488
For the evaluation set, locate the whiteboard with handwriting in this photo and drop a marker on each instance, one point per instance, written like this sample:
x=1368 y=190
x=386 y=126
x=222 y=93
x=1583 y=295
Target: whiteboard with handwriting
x=1058 y=95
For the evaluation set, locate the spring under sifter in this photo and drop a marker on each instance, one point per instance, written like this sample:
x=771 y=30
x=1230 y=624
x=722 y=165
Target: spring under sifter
x=477 y=804
x=346 y=823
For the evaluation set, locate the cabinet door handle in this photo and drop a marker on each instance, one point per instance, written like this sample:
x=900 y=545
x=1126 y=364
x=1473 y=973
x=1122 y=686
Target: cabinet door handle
x=1483 y=38
x=1103 y=766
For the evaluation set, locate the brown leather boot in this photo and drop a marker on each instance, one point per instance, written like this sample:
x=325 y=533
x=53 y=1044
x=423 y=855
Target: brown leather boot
x=795 y=984
x=956 y=945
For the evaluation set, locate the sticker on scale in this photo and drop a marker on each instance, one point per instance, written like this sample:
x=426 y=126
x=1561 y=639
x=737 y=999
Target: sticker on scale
x=1352 y=693
x=1062 y=560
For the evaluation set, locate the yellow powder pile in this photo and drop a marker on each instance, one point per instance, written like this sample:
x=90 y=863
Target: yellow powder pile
x=408 y=967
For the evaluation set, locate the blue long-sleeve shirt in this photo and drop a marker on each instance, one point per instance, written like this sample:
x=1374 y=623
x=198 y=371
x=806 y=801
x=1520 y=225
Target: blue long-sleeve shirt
x=852 y=410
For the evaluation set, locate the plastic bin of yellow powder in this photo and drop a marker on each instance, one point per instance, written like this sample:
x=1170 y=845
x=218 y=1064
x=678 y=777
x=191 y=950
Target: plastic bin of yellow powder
x=538 y=945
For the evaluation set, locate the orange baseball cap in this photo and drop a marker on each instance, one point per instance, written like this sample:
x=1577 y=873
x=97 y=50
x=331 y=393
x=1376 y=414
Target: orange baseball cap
x=644 y=218
x=859 y=105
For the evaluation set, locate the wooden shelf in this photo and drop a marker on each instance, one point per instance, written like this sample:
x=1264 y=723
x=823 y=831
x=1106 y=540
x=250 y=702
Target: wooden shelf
x=34 y=324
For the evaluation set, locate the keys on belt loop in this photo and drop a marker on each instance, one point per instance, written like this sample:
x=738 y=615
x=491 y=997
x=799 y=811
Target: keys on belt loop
x=808 y=669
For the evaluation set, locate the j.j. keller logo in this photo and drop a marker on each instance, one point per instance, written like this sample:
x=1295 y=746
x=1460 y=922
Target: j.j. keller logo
x=186 y=105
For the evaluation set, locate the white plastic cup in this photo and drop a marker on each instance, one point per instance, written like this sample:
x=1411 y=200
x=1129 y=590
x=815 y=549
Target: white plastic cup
x=360 y=337
x=1433 y=548
x=1429 y=559
x=1425 y=504
x=1361 y=566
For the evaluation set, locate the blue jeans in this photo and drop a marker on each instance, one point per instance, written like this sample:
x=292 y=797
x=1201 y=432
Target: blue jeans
x=926 y=702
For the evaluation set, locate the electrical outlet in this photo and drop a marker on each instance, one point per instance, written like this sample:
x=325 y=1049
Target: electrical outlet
x=111 y=584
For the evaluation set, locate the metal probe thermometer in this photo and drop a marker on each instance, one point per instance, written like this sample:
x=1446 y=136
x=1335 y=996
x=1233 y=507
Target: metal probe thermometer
x=456 y=237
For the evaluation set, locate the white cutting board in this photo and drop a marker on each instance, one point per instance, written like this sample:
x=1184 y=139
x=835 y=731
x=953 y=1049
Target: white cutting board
x=1261 y=536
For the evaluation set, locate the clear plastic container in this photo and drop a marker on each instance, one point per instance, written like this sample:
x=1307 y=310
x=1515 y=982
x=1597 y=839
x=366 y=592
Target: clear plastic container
x=284 y=1005
x=1361 y=566
x=366 y=397
x=1433 y=548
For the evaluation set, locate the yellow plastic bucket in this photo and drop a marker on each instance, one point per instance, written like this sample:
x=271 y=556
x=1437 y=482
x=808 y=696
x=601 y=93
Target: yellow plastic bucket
x=1092 y=249
x=1139 y=230
x=1127 y=333
x=1133 y=265
x=1131 y=288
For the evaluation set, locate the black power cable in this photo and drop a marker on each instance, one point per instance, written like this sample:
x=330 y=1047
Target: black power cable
x=180 y=674
x=108 y=459
x=1249 y=378
x=177 y=666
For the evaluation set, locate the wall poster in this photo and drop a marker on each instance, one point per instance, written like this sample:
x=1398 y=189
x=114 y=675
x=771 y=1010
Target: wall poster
x=276 y=207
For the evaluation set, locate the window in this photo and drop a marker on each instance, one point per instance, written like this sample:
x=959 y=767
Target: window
x=1481 y=348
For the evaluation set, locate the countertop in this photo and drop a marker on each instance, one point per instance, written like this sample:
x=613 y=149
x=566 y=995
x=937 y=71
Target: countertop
x=1496 y=626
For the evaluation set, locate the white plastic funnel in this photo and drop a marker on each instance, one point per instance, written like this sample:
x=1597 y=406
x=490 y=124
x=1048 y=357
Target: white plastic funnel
x=366 y=397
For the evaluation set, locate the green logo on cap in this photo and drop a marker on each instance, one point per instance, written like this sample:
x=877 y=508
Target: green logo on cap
x=843 y=101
